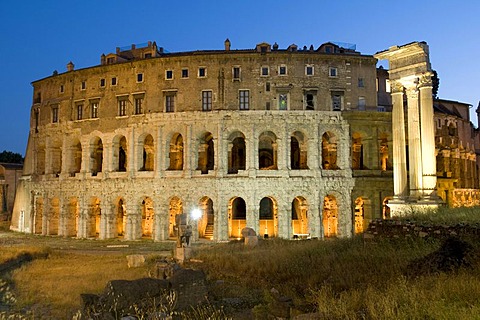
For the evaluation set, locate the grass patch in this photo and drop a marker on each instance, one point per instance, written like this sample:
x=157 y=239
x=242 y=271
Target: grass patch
x=12 y=253
x=447 y=216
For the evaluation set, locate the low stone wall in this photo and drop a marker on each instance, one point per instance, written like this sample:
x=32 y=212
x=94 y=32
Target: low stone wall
x=402 y=229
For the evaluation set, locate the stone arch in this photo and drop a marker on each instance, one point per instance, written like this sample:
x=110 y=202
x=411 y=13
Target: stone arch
x=176 y=152
x=362 y=213
x=55 y=155
x=383 y=152
x=175 y=208
x=120 y=154
x=298 y=151
x=74 y=157
x=237 y=217
x=148 y=214
x=385 y=208
x=72 y=216
x=206 y=153
x=237 y=154
x=299 y=216
x=120 y=217
x=267 y=151
x=330 y=216
x=268 y=217
x=94 y=218
x=329 y=151
x=358 y=161
x=147 y=153
x=96 y=156
x=205 y=224
x=54 y=216
x=38 y=216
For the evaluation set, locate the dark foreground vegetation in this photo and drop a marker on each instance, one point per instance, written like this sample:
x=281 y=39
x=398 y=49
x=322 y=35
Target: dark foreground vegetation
x=413 y=278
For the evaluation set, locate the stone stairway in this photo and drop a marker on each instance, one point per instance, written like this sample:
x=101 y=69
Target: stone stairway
x=209 y=232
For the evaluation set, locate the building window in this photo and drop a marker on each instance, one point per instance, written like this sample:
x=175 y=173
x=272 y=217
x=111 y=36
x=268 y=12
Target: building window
x=139 y=77
x=282 y=70
x=170 y=103
x=61 y=88
x=184 y=73
x=337 y=98
x=206 y=100
x=139 y=105
x=55 y=114
x=114 y=81
x=267 y=105
x=202 y=72
x=267 y=86
x=361 y=103
x=244 y=99
x=79 y=111
x=84 y=85
x=102 y=83
x=169 y=74
x=309 y=70
x=236 y=73
x=310 y=100
x=265 y=71
x=122 y=107
x=332 y=72
x=360 y=83
x=283 y=101
x=94 y=109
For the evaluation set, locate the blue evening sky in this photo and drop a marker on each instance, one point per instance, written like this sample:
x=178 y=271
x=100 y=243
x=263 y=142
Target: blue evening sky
x=40 y=36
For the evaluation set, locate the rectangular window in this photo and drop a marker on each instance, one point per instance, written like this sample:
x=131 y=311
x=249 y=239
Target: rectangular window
x=206 y=100
x=360 y=83
x=310 y=97
x=282 y=70
x=55 y=114
x=184 y=73
x=265 y=71
x=61 y=88
x=114 y=81
x=309 y=70
x=361 y=103
x=202 y=72
x=122 y=107
x=332 y=72
x=94 y=109
x=236 y=73
x=138 y=105
x=244 y=99
x=267 y=105
x=84 y=85
x=170 y=103
x=102 y=83
x=139 y=77
x=169 y=74
x=337 y=98
x=283 y=101
x=79 y=111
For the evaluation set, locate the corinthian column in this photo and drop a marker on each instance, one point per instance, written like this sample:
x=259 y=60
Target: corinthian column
x=414 y=144
x=398 y=130
x=428 y=136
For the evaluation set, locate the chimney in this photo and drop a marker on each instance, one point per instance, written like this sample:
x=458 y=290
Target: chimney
x=70 y=66
x=227 y=45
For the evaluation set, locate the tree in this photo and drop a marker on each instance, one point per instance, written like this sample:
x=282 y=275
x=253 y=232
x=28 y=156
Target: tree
x=435 y=83
x=10 y=157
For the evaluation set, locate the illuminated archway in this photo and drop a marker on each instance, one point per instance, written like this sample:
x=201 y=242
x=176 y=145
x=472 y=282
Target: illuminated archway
x=329 y=151
x=205 y=224
x=330 y=216
x=206 y=153
x=237 y=217
x=268 y=216
x=299 y=216
x=175 y=208
x=94 y=218
x=176 y=152
x=236 y=152
x=120 y=220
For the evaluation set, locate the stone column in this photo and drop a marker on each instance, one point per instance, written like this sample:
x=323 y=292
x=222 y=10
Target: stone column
x=82 y=220
x=284 y=220
x=399 y=151
x=188 y=151
x=429 y=181
x=160 y=153
x=220 y=227
x=414 y=144
x=253 y=221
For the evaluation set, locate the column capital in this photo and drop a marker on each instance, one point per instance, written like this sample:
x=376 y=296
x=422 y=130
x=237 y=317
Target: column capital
x=412 y=93
x=425 y=80
x=396 y=86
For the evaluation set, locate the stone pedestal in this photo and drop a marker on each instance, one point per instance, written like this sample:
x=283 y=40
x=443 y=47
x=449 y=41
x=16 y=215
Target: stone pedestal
x=182 y=254
x=399 y=208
